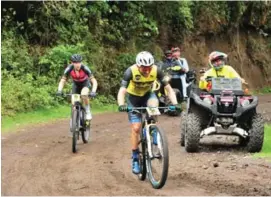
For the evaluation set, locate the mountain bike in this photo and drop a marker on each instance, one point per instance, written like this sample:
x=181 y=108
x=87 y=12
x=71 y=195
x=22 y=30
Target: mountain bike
x=78 y=124
x=151 y=152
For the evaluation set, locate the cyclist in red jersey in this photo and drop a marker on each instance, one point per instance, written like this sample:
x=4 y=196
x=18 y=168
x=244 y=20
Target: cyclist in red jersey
x=81 y=76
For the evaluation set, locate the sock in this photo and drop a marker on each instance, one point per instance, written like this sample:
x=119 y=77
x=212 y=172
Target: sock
x=135 y=154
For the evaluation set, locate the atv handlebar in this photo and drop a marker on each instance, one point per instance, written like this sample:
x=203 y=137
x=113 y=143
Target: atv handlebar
x=209 y=79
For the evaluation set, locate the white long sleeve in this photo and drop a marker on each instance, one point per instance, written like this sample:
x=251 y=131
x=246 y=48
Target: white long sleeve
x=184 y=63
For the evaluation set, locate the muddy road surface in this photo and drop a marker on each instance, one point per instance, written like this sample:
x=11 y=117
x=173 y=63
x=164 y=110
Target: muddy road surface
x=39 y=161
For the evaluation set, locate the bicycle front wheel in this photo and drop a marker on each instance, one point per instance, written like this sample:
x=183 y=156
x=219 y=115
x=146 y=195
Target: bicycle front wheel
x=157 y=163
x=142 y=156
x=75 y=130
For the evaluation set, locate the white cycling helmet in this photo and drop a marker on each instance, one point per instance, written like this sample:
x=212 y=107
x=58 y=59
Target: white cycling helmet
x=144 y=58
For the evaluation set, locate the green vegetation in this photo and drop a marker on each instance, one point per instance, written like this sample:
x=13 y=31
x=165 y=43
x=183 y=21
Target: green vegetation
x=265 y=90
x=266 y=150
x=38 y=38
x=10 y=124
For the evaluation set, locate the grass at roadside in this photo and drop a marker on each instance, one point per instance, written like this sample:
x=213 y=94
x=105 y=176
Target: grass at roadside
x=266 y=150
x=265 y=90
x=10 y=124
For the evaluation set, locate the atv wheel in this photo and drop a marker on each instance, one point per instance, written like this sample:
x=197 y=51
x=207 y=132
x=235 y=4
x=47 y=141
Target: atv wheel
x=192 y=134
x=256 y=134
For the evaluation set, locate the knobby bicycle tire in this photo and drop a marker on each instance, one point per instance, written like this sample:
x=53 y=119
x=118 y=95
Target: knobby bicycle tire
x=157 y=184
x=74 y=130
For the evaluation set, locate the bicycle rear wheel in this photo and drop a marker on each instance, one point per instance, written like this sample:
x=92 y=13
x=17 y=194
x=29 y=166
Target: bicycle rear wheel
x=157 y=166
x=75 y=130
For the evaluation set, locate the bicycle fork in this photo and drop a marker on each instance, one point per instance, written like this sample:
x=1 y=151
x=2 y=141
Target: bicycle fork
x=77 y=108
x=81 y=117
x=148 y=136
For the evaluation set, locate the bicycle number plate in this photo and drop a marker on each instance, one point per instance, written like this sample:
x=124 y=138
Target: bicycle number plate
x=153 y=111
x=76 y=98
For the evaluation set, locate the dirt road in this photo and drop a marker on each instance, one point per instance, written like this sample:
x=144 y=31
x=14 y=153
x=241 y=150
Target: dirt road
x=39 y=161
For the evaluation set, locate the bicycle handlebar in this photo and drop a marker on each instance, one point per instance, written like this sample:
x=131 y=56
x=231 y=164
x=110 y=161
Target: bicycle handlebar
x=136 y=109
x=69 y=94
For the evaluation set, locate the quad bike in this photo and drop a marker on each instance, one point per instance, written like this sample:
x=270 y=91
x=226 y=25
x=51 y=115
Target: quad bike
x=176 y=85
x=223 y=109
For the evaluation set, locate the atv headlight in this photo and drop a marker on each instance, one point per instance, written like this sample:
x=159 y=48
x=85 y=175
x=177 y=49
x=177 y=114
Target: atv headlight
x=245 y=102
x=208 y=100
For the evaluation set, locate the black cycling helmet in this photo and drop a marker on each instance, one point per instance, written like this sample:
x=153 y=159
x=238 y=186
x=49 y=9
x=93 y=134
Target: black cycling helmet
x=76 y=58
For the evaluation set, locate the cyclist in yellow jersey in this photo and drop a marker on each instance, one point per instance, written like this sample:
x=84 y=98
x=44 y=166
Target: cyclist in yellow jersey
x=218 y=69
x=137 y=84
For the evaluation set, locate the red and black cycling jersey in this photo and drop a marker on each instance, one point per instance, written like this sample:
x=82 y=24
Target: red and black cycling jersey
x=83 y=74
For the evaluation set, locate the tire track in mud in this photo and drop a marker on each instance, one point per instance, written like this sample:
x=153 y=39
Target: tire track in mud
x=39 y=161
